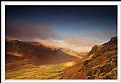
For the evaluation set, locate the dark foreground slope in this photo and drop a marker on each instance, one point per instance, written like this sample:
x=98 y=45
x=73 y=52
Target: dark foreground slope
x=100 y=63
x=20 y=54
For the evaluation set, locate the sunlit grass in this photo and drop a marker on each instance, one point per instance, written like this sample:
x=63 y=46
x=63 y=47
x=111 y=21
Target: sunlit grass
x=40 y=72
x=69 y=64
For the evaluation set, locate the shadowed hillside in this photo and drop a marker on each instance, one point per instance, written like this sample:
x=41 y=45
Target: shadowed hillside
x=31 y=54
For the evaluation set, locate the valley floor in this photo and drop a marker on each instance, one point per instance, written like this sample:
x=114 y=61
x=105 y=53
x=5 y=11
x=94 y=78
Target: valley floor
x=41 y=72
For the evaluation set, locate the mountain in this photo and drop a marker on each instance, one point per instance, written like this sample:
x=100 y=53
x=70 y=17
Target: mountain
x=99 y=63
x=21 y=54
x=82 y=54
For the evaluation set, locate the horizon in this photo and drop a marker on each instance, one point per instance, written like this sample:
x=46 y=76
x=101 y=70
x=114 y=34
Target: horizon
x=75 y=27
x=54 y=46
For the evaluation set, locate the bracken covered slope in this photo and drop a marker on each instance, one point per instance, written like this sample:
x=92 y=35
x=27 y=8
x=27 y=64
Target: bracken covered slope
x=100 y=63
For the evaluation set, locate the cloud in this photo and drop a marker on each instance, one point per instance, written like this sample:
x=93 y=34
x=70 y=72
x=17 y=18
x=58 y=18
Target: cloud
x=66 y=44
x=26 y=31
x=47 y=35
x=79 y=43
x=75 y=43
x=85 y=42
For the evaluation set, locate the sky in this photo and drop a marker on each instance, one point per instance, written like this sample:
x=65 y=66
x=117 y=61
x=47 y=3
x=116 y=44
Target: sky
x=74 y=27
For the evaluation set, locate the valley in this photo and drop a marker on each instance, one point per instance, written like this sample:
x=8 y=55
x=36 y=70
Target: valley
x=32 y=60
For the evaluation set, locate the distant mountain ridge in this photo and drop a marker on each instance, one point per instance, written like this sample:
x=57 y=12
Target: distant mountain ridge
x=36 y=53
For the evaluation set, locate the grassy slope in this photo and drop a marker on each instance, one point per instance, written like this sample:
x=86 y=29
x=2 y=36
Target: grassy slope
x=40 y=72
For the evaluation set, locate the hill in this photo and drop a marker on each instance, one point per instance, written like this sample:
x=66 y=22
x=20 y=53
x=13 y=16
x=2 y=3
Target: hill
x=21 y=54
x=100 y=63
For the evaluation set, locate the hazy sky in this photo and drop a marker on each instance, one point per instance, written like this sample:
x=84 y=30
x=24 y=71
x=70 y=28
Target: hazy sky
x=74 y=27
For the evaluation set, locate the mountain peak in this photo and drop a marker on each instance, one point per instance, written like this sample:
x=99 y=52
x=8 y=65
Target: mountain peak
x=113 y=40
x=110 y=45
